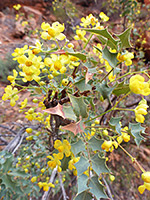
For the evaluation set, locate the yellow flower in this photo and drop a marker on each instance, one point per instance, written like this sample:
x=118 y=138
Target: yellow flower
x=72 y=162
x=24 y=103
x=103 y=17
x=80 y=35
x=138 y=85
x=127 y=57
x=55 y=160
x=141 y=110
x=52 y=32
x=107 y=145
x=63 y=147
x=11 y=94
x=17 y=7
x=89 y=20
x=37 y=48
x=19 y=52
x=12 y=78
x=33 y=179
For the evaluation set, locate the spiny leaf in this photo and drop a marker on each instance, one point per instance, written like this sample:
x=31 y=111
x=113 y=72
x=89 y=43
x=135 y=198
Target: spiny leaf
x=96 y=188
x=77 y=147
x=6 y=179
x=104 y=89
x=121 y=89
x=82 y=165
x=114 y=121
x=79 y=55
x=110 y=57
x=79 y=106
x=84 y=196
x=95 y=144
x=99 y=164
x=111 y=42
x=136 y=130
x=63 y=111
x=18 y=173
x=76 y=127
x=8 y=163
x=125 y=38
x=82 y=85
x=82 y=183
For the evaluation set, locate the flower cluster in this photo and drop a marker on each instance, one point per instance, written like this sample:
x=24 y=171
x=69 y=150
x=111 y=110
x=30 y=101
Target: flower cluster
x=141 y=110
x=52 y=32
x=127 y=58
x=146 y=178
x=124 y=135
x=45 y=185
x=11 y=94
x=138 y=85
x=109 y=145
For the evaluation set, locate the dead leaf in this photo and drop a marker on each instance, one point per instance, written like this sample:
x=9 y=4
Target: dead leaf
x=57 y=110
x=75 y=127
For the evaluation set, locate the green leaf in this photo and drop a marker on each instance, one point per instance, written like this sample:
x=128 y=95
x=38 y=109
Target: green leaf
x=64 y=162
x=79 y=106
x=125 y=38
x=79 y=55
x=99 y=164
x=114 y=121
x=95 y=144
x=6 y=179
x=82 y=183
x=121 y=89
x=8 y=163
x=96 y=188
x=82 y=86
x=102 y=39
x=18 y=173
x=136 y=130
x=110 y=57
x=84 y=196
x=111 y=42
x=104 y=90
x=77 y=147
x=82 y=165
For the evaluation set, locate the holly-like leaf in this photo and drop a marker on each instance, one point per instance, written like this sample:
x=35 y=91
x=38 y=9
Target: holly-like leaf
x=82 y=85
x=18 y=173
x=114 y=122
x=6 y=179
x=82 y=165
x=121 y=89
x=111 y=42
x=8 y=163
x=125 y=38
x=105 y=90
x=96 y=188
x=77 y=147
x=79 y=106
x=84 y=196
x=110 y=57
x=75 y=127
x=63 y=111
x=136 y=130
x=99 y=165
x=95 y=144
x=79 y=55
x=82 y=183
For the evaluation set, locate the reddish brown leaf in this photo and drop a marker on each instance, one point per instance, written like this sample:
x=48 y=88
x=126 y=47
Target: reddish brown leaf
x=57 y=110
x=88 y=75
x=74 y=127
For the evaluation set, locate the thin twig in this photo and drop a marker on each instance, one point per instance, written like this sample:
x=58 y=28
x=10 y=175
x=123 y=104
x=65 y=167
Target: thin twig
x=62 y=187
x=9 y=129
x=108 y=189
x=52 y=178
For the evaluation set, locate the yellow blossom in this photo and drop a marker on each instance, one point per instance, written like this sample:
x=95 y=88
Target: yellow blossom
x=80 y=35
x=63 y=147
x=12 y=78
x=17 y=7
x=10 y=94
x=89 y=20
x=141 y=110
x=138 y=85
x=55 y=160
x=103 y=17
x=52 y=32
